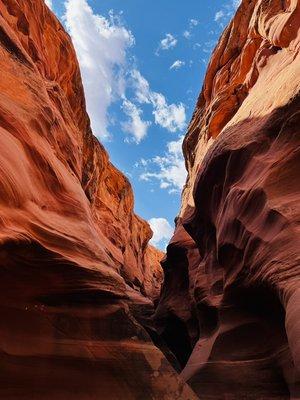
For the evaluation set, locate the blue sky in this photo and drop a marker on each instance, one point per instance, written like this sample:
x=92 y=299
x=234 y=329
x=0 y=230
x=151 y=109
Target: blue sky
x=143 y=64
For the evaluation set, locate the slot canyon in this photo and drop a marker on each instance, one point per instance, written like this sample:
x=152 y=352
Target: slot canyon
x=89 y=310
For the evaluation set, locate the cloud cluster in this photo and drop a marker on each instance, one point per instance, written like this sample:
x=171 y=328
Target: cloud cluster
x=162 y=231
x=188 y=32
x=177 y=64
x=169 y=116
x=194 y=22
x=169 y=170
x=101 y=45
x=221 y=19
x=168 y=42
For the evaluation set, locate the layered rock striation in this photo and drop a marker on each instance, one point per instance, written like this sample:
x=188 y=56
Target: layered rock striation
x=78 y=278
x=232 y=275
x=74 y=258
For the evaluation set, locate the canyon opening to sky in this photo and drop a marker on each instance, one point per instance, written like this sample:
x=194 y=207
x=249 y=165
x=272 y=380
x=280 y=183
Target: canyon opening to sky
x=149 y=200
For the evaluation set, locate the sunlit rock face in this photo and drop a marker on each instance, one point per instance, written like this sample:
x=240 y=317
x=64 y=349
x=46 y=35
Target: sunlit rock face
x=74 y=258
x=232 y=274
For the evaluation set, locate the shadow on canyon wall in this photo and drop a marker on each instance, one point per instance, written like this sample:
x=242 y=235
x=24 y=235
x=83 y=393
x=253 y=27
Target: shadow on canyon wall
x=232 y=267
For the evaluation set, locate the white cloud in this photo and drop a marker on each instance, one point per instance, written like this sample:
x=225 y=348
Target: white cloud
x=164 y=185
x=177 y=64
x=171 y=117
x=135 y=126
x=162 y=231
x=219 y=15
x=169 y=170
x=194 y=22
x=101 y=45
x=49 y=3
x=186 y=34
x=167 y=43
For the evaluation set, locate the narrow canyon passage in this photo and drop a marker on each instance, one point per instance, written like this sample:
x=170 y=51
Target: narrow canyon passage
x=89 y=310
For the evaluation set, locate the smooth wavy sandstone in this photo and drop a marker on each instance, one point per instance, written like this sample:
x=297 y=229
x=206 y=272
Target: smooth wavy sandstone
x=234 y=258
x=74 y=258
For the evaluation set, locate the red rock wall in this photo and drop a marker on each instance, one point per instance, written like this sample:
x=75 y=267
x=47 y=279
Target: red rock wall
x=74 y=258
x=232 y=268
x=72 y=200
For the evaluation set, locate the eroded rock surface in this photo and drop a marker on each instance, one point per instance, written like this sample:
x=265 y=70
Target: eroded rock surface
x=232 y=269
x=74 y=258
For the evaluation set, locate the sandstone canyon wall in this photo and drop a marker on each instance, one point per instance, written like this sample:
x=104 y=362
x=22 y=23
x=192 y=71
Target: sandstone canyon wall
x=75 y=263
x=232 y=274
x=78 y=277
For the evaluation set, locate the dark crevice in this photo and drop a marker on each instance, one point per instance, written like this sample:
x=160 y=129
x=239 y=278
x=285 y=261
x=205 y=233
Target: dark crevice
x=12 y=48
x=177 y=339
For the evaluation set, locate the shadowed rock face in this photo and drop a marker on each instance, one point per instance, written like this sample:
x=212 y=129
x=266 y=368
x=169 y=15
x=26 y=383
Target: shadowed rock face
x=236 y=276
x=76 y=270
x=74 y=258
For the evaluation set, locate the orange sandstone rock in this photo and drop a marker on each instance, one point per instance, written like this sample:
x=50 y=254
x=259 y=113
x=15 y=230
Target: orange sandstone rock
x=78 y=204
x=237 y=235
x=74 y=258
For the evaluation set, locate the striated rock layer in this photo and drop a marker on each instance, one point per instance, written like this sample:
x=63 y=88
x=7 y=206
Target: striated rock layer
x=74 y=258
x=232 y=274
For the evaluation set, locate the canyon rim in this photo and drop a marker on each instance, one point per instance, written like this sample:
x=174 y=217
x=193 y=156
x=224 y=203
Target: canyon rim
x=89 y=309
